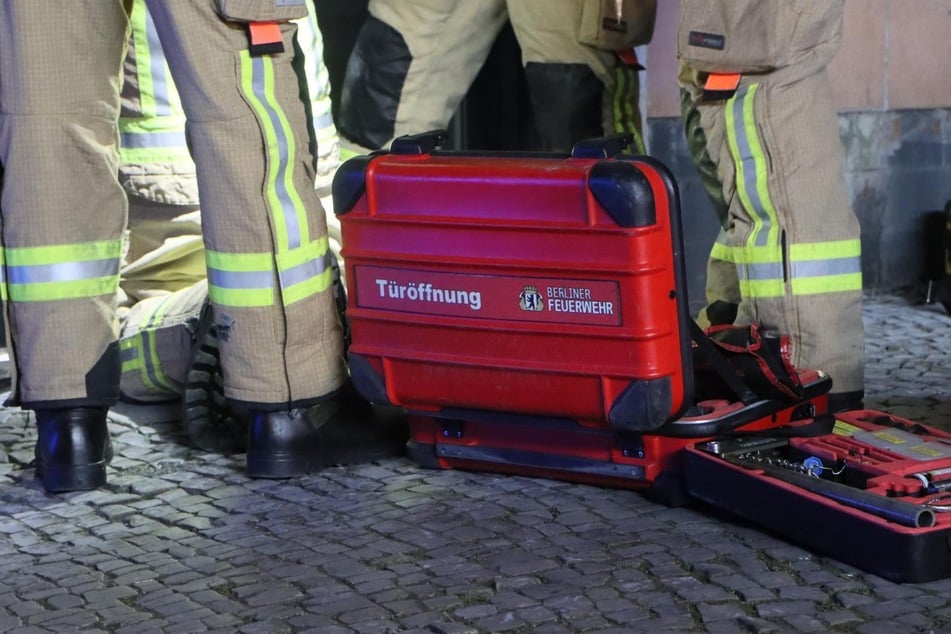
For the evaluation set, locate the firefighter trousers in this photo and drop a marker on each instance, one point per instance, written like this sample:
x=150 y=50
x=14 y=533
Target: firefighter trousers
x=63 y=211
x=414 y=61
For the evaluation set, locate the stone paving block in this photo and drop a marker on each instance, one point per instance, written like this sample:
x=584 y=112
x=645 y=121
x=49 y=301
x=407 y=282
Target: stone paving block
x=878 y=627
x=781 y=609
x=391 y=546
x=75 y=619
x=915 y=621
x=805 y=623
x=452 y=628
x=839 y=618
x=745 y=624
x=725 y=611
x=883 y=610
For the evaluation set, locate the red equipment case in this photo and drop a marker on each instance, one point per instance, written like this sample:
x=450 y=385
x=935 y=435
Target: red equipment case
x=875 y=492
x=529 y=312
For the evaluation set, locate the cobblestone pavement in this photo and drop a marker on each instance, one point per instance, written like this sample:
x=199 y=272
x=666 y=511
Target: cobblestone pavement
x=182 y=541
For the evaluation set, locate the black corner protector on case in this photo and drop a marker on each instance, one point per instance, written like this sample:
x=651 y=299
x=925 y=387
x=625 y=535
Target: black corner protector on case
x=624 y=192
x=643 y=406
x=350 y=182
x=367 y=380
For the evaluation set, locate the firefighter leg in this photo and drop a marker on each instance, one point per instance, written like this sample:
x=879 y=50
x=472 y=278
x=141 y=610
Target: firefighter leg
x=269 y=270
x=63 y=218
x=705 y=134
x=570 y=83
x=412 y=64
x=796 y=238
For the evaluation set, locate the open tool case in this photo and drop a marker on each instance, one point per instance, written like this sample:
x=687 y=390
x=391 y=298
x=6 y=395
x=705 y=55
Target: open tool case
x=529 y=312
x=875 y=492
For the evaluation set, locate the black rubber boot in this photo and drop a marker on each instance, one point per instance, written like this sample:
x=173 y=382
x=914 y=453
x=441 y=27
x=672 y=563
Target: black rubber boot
x=566 y=103
x=73 y=448
x=341 y=430
x=208 y=421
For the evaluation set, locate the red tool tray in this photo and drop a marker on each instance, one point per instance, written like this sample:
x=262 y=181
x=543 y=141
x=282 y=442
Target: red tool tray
x=876 y=492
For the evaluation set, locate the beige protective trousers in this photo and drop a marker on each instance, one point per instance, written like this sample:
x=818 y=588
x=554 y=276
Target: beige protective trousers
x=163 y=276
x=790 y=248
x=410 y=75
x=63 y=212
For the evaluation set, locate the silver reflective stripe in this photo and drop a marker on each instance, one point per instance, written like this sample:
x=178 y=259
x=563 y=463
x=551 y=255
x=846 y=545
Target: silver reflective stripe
x=760 y=271
x=748 y=164
x=304 y=272
x=240 y=279
x=324 y=120
x=280 y=134
x=153 y=139
x=819 y=268
x=160 y=85
x=128 y=354
x=67 y=272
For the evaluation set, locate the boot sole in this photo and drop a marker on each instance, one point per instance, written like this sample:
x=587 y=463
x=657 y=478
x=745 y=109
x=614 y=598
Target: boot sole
x=282 y=466
x=286 y=465
x=77 y=478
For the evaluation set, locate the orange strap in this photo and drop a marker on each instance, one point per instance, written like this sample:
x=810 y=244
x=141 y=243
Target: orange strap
x=628 y=57
x=722 y=82
x=265 y=38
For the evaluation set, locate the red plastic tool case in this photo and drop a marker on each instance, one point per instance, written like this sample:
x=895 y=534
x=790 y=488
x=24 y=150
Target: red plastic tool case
x=529 y=311
x=876 y=492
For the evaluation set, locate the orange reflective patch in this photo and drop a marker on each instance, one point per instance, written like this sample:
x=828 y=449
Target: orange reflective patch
x=266 y=38
x=264 y=33
x=722 y=82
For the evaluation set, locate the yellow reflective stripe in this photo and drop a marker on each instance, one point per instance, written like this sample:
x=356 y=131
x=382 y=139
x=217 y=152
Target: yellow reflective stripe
x=305 y=272
x=724 y=252
x=307 y=288
x=154 y=155
x=752 y=168
x=833 y=249
x=154 y=140
x=152 y=365
x=760 y=270
x=772 y=254
x=239 y=261
x=152 y=128
x=157 y=93
x=814 y=268
x=827 y=284
x=825 y=267
x=4 y=296
x=762 y=288
x=63 y=253
x=51 y=291
x=65 y=271
x=313 y=251
x=128 y=352
x=139 y=355
x=284 y=203
x=240 y=279
x=624 y=107
x=241 y=298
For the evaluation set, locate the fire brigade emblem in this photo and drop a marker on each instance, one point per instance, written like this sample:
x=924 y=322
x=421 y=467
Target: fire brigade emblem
x=530 y=299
